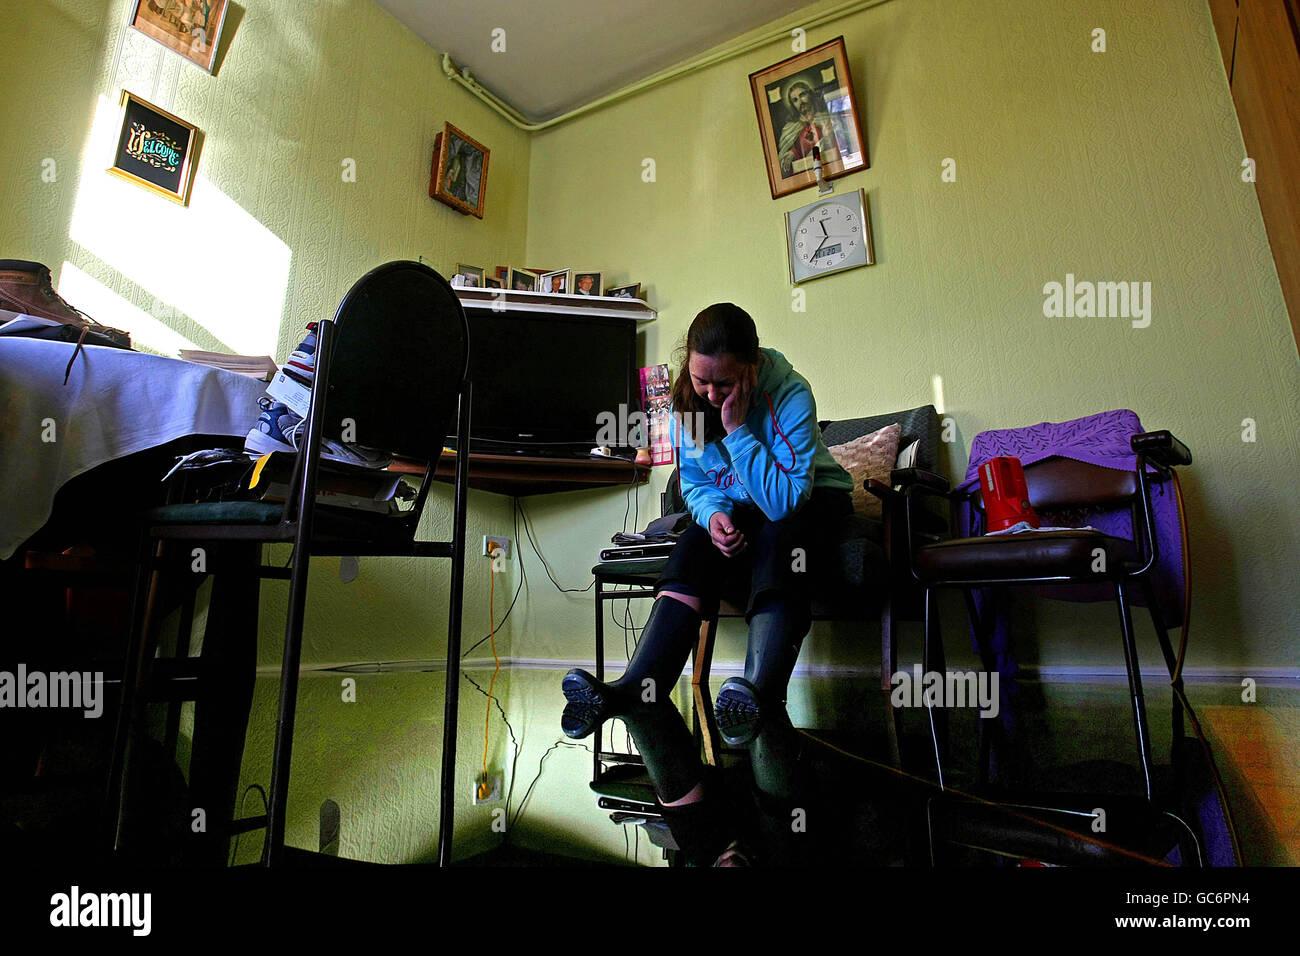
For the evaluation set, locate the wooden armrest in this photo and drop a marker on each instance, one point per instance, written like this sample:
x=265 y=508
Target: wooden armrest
x=881 y=490
x=1162 y=448
x=919 y=476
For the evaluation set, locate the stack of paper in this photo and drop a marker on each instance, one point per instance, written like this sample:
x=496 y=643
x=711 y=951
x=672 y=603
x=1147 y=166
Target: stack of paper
x=261 y=367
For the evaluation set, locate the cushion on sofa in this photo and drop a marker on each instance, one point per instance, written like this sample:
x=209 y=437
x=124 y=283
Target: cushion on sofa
x=868 y=456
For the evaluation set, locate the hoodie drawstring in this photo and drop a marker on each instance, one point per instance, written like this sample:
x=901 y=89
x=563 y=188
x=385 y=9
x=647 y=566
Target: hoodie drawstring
x=793 y=457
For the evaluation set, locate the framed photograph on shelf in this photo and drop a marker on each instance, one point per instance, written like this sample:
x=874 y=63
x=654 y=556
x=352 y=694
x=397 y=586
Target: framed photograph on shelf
x=632 y=291
x=156 y=150
x=460 y=168
x=191 y=29
x=586 y=283
x=558 y=281
x=503 y=275
x=803 y=102
x=490 y=282
x=473 y=275
x=521 y=280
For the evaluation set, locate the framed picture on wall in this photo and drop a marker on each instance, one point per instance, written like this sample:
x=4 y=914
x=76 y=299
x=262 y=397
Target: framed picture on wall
x=191 y=28
x=460 y=167
x=155 y=150
x=803 y=102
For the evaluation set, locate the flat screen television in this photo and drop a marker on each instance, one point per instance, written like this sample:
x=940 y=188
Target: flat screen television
x=541 y=380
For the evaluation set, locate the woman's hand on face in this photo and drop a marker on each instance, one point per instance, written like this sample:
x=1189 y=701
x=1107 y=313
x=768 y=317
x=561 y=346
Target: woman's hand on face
x=736 y=407
x=725 y=537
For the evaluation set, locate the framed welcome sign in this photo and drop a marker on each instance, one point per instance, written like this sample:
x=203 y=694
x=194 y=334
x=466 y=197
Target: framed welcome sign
x=156 y=149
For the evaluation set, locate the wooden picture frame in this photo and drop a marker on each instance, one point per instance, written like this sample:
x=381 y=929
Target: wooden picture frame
x=471 y=272
x=593 y=289
x=632 y=291
x=527 y=279
x=460 y=169
x=183 y=28
x=548 y=281
x=805 y=101
x=155 y=149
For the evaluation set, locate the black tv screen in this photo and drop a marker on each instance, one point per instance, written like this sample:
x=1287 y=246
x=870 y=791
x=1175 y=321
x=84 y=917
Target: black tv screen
x=542 y=379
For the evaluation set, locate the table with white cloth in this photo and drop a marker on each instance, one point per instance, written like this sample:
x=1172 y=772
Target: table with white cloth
x=106 y=438
x=115 y=403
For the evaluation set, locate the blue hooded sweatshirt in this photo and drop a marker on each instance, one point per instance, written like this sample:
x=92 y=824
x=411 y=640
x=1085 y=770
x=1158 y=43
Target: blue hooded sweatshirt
x=755 y=464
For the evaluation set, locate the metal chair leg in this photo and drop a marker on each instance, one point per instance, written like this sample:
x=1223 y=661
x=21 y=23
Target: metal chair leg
x=988 y=727
x=1171 y=662
x=1135 y=687
x=888 y=667
x=931 y=657
x=600 y=674
x=183 y=637
x=273 y=849
x=143 y=602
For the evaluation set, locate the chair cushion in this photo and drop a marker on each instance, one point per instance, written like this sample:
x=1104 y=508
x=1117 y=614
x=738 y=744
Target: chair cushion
x=217 y=512
x=630 y=572
x=1031 y=555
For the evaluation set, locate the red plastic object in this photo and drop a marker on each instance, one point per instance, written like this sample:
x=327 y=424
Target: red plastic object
x=1005 y=494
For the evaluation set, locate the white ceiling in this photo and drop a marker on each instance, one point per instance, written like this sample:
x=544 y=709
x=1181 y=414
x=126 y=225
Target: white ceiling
x=561 y=54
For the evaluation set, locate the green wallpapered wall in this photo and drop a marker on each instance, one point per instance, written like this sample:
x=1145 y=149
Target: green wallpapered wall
x=1122 y=165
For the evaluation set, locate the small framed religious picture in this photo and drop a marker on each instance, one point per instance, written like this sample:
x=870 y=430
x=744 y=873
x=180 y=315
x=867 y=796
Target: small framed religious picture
x=804 y=102
x=460 y=168
x=155 y=150
x=191 y=28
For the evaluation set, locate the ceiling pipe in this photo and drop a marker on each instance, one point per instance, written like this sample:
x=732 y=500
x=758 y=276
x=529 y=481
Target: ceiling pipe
x=713 y=57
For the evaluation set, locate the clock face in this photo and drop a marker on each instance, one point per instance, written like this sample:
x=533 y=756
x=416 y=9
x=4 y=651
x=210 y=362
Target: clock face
x=828 y=236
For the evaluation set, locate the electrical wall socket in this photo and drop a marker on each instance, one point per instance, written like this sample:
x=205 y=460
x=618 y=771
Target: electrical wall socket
x=493 y=781
x=491 y=543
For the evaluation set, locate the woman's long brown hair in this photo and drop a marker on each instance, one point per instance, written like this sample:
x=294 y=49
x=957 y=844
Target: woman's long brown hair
x=721 y=328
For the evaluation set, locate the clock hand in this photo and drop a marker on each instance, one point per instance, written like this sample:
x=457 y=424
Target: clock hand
x=822 y=223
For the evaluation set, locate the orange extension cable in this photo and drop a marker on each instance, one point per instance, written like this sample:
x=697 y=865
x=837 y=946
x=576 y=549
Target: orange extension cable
x=492 y=634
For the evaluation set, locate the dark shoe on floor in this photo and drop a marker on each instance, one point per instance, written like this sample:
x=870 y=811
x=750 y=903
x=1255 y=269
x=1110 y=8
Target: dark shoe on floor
x=738 y=712
x=590 y=702
x=736 y=854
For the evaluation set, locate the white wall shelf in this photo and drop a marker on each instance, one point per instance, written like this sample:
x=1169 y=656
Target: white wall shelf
x=557 y=303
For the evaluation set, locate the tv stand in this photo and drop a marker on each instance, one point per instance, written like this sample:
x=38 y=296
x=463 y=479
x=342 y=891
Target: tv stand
x=519 y=475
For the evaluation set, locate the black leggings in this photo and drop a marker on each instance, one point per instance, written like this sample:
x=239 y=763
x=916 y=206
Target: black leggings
x=776 y=569
x=770 y=563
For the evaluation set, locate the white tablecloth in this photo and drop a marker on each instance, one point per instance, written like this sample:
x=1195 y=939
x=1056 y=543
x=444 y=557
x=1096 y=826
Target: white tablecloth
x=115 y=403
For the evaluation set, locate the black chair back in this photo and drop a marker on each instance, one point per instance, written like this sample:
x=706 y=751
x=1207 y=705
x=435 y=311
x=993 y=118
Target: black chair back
x=1058 y=483
x=400 y=356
